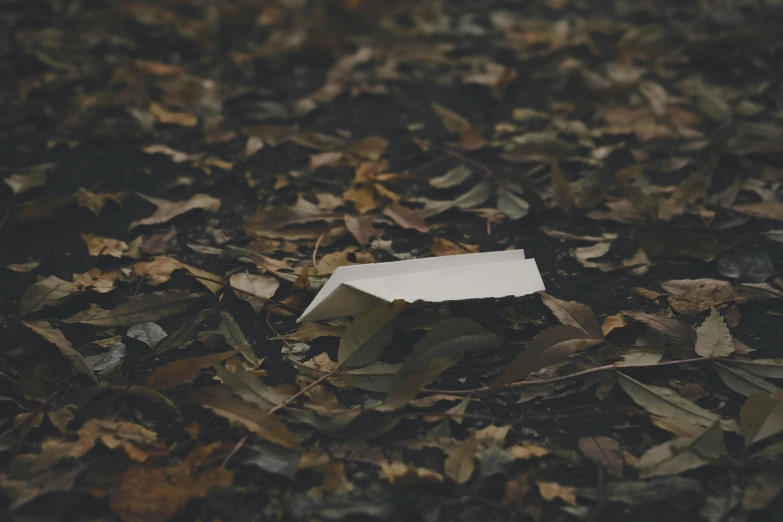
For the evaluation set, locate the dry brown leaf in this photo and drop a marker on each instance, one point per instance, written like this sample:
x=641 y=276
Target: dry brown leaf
x=713 y=338
x=236 y=339
x=407 y=218
x=254 y=289
x=95 y=202
x=25 y=267
x=692 y=296
x=48 y=291
x=104 y=246
x=761 y=417
x=101 y=282
x=684 y=453
x=177 y=372
x=159 y=271
x=165 y=116
x=168 y=210
x=764 y=209
x=158 y=493
x=56 y=337
x=552 y=490
x=405 y=475
x=362 y=195
x=571 y=313
x=361 y=227
x=612 y=322
x=461 y=462
x=139 y=309
x=526 y=451
x=605 y=452
x=444 y=247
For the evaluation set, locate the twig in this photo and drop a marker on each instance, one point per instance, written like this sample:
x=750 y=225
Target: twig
x=234 y=451
x=608 y=367
x=315 y=252
x=303 y=391
x=477 y=416
x=269 y=324
x=473 y=162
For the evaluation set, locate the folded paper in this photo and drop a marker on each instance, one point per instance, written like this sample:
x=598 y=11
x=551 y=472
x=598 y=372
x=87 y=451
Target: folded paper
x=353 y=290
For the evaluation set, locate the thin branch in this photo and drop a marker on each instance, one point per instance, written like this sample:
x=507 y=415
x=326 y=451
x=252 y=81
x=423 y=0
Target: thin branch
x=608 y=367
x=239 y=445
x=303 y=391
x=315 y=252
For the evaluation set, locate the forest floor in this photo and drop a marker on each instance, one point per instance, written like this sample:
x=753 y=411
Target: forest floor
x=182 y=176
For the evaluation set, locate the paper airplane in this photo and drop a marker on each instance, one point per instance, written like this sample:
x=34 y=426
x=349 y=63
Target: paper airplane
x=353 y=290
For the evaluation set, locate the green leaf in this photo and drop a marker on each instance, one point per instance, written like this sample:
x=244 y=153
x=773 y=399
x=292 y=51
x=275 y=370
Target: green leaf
x=441 y=349
x=550 y=346
x=236 y=339
x=761 y=417
x=368 y=335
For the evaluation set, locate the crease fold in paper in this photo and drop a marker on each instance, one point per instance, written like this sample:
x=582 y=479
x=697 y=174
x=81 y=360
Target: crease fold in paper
x=353 y=290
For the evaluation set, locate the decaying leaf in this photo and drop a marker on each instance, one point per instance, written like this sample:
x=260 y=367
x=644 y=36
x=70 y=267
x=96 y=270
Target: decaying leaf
x=175 y=373
x=368 y=335
x=236 y=339
x=761 y=417
x=46 y=292
x=460 y=463
x=571 y=313
x=255 y=289
x=95 y=202
x=665 y=402
x=56 y=337
x=605 y=452
x=148 y=333
x=168 y=210
x=138 y=310
x=406 y=217
x=713 y=338
x=548 y=347
x=684 y=453
x=104 y=246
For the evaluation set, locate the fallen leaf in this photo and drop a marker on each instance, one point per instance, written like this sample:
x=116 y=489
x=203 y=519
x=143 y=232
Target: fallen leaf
x=21 y=492
x=460 y=464
x=46 y=292
x=762 y=490
x=564 y=197
x=360 y=227
x=168 y=210
x=248 y=415
x=526 y=451
x=692 y=296
x=25 y=267
x=452 y=178
x=754 y=267
x=444 y=247
x=165 y=116
x=310 y=331
x=552 y=490
x=368 y=335
x=254 y=289
x=148 y=333
x=761 y=417
x=159 y=493
x=406 y=475
x=20 y=183
x=512 y=205
x=665 y=402
x=612 y=322
x=159 y=270
x=56 y=337
x=713 y=338
x=104 y=246
x=605 y=452
x=684 y=453
x=139 y=309
x=770 y=368
x=646 y=492
x=175 y=373
x=407 y=218
x=671 y=327
x=101 y=282
x=236 y=339
x=440 y=349
x=742 y=382
x=548 y=347
x=95 y=202
x=571 y=313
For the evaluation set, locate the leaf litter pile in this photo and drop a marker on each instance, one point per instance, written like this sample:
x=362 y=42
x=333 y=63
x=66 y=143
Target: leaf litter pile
x=182 y=176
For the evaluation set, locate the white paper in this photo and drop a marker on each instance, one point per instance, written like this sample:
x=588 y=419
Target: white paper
x=353 y=290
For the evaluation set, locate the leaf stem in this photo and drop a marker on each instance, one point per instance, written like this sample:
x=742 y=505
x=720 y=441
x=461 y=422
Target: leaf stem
x=608 y=367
